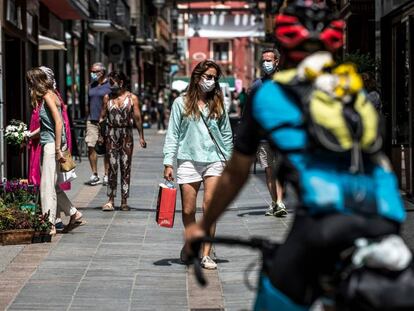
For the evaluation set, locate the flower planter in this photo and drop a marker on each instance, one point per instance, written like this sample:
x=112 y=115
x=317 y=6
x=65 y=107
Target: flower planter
x=46 y=237
x=18 y=236
x=36 y=237
x=41 y=237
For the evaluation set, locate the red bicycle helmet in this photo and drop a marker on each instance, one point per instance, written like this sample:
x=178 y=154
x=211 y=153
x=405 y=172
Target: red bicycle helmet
x=306 y=26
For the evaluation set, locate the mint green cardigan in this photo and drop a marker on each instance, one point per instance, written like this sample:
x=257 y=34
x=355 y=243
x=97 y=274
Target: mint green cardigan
x=188 y=138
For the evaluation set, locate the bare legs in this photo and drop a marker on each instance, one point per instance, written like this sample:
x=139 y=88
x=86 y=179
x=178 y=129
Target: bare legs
x=189 y=199
x=93 y=161
x=274 y=186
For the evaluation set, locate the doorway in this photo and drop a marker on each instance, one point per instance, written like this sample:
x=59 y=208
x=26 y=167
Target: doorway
x=14 y=99
x=402 y=102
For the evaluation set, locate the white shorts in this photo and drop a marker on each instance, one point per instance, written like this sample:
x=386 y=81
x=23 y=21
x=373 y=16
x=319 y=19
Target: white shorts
x=190 y=171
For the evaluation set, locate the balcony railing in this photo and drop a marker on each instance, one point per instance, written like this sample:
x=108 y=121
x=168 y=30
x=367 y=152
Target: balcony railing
x=116 y=11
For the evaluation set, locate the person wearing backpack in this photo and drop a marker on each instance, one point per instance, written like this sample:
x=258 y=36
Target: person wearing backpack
x=317 y=115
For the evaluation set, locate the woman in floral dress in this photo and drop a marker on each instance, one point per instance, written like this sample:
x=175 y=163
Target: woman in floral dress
x=120 y=110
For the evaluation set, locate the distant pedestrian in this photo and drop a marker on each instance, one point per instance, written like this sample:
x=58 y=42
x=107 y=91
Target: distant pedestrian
x=267 y=158
x=121 y=111
x=371 y=87
x=161 y=105
x=98 y=88
x=199 y=158
x=242 y=97
x=53 y=140
x=173 y=95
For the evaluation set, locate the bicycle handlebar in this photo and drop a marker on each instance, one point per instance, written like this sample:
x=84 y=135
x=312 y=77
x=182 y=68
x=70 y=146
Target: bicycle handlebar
x=254 y=242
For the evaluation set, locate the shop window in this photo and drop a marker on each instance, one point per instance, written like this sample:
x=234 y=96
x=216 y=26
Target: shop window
x=221 y=51
x=14 y=14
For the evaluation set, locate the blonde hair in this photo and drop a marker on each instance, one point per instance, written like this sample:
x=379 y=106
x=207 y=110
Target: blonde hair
x=39 y=84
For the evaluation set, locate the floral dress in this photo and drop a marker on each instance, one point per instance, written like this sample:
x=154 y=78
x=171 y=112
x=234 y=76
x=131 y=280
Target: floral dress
x=119 y=145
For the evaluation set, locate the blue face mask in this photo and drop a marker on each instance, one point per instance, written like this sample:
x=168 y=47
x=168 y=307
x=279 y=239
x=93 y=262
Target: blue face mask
x=268 y=67
x=94 y=76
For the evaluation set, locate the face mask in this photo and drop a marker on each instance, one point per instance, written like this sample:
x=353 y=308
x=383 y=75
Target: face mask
x=115 y=88
x=94 y=76
x=268 y=67
x=207 y=85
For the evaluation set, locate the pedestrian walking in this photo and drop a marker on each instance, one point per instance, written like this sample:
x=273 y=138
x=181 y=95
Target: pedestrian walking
x=200 y=157
x=53 y=141
x=267 y=158
x=35 y=150
x=242 y=97
x=98 y=88
x=121 y=111
x=161 y=105
x=371 y=87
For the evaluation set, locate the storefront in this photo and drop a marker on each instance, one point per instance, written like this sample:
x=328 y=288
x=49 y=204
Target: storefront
x=19 y=53
x=397 y=81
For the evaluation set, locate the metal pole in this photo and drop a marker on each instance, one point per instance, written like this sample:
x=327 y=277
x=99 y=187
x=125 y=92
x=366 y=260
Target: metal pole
x=1 y=109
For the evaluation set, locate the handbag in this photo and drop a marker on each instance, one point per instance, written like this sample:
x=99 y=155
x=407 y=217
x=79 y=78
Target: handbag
x=166 y=203
x=64 y=177
x=100 y=146
x=69 y=164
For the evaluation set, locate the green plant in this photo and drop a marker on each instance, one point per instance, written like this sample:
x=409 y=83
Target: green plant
x=365 y=62
x=13 y=218
x=16 y=132
x=16 y=193
x=41 y=222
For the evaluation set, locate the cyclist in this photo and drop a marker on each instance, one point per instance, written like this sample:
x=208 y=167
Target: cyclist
x=316 y=114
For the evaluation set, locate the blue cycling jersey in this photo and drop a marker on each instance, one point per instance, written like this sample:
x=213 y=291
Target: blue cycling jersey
x=322 y=178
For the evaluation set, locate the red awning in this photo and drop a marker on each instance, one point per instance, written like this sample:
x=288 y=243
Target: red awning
x=68 y=9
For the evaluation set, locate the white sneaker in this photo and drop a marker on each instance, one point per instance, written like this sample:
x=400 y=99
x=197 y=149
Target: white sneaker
x=94 y=180
x=271 y=210
x=208 y=263
x=105 y=180
x=280 y=210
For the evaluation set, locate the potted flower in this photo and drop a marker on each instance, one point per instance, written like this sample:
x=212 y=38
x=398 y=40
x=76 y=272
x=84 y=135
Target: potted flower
x=42 y=226
x=19 y=194
x=15 y=226
x=15 y=134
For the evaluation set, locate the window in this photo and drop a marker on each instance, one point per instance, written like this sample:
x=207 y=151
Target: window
x=221 y=51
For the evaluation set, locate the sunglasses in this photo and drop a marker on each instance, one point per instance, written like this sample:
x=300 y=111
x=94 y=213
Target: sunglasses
x=210 y=77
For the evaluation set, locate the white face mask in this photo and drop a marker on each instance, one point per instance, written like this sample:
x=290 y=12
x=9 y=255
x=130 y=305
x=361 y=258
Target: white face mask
x=268 y=67
x=207 y=85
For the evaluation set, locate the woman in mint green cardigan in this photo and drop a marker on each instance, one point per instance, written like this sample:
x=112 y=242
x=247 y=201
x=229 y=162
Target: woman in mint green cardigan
x=199 y=137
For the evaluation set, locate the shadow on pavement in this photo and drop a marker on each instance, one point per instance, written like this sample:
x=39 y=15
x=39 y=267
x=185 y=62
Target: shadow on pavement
x=177 y=261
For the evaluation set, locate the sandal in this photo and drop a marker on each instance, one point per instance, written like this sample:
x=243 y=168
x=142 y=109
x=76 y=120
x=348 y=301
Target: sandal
x=124 y=207
x=52 y=231
x=77 y=218
x=108 y=207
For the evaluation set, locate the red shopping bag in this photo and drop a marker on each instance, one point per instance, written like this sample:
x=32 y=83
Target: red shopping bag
x=166 y=206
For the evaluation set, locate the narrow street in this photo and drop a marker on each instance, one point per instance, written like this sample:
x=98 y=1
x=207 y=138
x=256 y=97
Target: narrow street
x=125 y=261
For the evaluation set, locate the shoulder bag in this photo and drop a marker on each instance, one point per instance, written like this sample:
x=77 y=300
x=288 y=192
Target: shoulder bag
x=212 y=137
x=69 y=164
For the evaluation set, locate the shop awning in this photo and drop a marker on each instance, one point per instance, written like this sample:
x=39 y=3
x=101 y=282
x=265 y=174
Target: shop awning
x=68 y=9
x=46 y=43
x=225 y=26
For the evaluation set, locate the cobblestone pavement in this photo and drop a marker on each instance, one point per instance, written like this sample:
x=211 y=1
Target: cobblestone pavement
x=124 y=261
